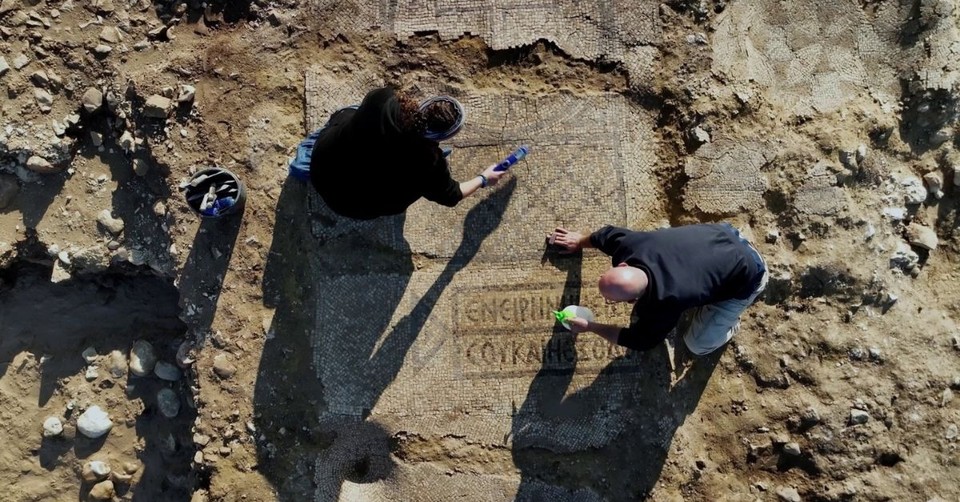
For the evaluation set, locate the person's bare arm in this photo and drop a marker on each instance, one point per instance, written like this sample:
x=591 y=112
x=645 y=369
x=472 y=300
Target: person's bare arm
x=467 y=188
x=571 y=242
x=608 y=332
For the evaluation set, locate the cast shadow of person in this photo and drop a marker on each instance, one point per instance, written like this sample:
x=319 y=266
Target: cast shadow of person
x=201 y=279
x=331 y=349
x=609 y=440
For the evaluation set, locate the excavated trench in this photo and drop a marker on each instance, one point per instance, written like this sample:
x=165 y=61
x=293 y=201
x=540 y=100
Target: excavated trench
x=45 y=328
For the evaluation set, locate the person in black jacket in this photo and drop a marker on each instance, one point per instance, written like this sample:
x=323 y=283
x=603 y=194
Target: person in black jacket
x=709 y=268
x=378 y=158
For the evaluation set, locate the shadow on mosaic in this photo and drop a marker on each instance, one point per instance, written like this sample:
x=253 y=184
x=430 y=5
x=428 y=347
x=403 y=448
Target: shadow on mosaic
x=335 y=286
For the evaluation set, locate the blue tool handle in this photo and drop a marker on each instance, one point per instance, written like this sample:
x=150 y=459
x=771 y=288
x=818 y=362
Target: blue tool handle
x=513 y=158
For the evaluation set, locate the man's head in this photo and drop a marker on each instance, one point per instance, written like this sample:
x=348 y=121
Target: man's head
x=623 y=283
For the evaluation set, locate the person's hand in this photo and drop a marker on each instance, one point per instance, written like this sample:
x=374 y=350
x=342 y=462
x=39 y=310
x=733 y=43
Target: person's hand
x=578 y=324
x=493 y=176
x=569 y=241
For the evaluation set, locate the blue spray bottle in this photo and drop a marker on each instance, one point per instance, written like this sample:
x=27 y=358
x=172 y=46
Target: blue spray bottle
x=513 y=158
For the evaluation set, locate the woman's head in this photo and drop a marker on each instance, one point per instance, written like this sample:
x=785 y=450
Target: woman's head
x=410 y=119
x=440 y=115
x=438 y=118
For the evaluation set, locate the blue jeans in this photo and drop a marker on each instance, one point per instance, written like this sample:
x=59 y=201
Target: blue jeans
x=715 y=324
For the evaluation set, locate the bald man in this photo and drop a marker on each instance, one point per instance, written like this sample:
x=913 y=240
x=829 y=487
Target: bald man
x=709 y=268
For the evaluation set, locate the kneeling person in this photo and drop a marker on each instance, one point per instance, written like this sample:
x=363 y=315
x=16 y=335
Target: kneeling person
x=709 y=268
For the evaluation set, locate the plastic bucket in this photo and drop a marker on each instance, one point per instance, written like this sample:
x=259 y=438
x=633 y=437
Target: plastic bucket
x=214 y=193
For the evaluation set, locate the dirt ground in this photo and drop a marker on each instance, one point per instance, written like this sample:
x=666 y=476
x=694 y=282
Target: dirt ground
x=860 y=315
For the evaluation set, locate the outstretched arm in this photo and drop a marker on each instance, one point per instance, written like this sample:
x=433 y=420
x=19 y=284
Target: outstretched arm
x=608 y=332
x=488 y=177
x=571 y=242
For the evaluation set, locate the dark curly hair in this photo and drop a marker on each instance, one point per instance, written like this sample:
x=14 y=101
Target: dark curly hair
x=410 y=119
x=439 y=116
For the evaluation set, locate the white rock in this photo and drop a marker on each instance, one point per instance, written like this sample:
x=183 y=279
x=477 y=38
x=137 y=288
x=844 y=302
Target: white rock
x=861 y=153
x=952 y=431
x=59 y=273
x=700 y=135
x=40 y=165
x=187 y=93
x=156 y=106
x=110 y=35
x=92 y=100
x=117 y=364
x=94 y=422
x=20 y=61
x=40 y=78
x=4 y=66
x=113 y=225
x=102 y=49
x=89 y=355
x=167 y=371
x=58 y=128
x=904 y=258
x=792 y=449
x=103 y=490
x=9 y=5
x=222 y=366
x=788 y=494
x=91 y=374
x=946 y=397
x=895 y=213
x=44 y=99
x=95 y=470
x=858 y=417
x=922 y=236
x=126 y=141
x=142 y=358
x=913 y=190
x=96 y=138
x=112 y=101
x=934 y=183
x=52 y=427
x=168 y=402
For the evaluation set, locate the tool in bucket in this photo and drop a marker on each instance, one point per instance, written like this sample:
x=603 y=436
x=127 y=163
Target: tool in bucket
x=214 y=192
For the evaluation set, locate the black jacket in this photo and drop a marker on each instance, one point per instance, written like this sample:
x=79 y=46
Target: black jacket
x=688 y=266
x=364 y=166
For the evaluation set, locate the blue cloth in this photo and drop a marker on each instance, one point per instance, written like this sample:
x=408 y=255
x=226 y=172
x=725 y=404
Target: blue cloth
x=300 y=165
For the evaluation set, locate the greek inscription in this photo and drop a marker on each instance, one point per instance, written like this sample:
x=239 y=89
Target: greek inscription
x=508 y=331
